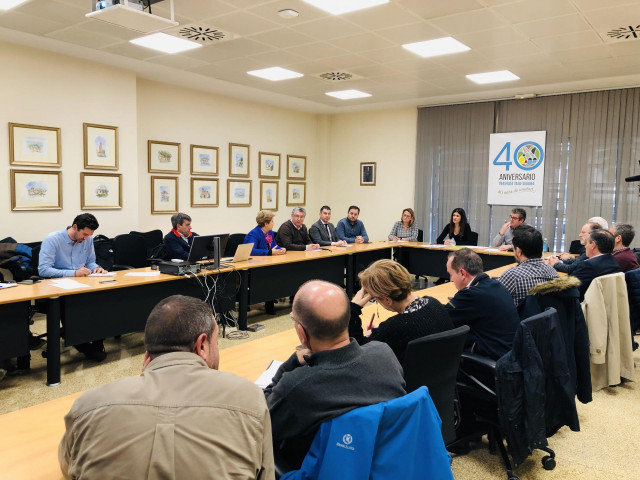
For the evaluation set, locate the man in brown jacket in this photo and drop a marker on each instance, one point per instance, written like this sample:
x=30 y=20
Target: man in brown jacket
x=180 y=419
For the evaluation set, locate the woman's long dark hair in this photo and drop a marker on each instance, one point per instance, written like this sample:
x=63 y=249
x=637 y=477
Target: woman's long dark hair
x=463 y=222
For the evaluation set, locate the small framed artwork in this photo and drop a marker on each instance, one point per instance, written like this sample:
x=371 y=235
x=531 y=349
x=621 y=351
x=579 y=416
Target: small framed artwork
x=34 y=145
x=100 y=146
x=368 y=174
x=100 y=190
x=269 y=166
x=268 y=195
x=164 y=194
x=164 y=157
x=296 y=194
x=238 y=193
x=204 y=192
x=36 y=190
x=238 y=160
x=204 y=160
x=296 y=167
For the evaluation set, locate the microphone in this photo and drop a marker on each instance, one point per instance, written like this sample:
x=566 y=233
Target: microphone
x=635 y=178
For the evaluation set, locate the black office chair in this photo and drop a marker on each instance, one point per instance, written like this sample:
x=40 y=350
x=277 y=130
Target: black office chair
x=420 y=236
x=129 y=251
x=235 y=239
x=632 y=279
x=152 y=239
x=433 y=361
x=575 y=247
x=473 y=239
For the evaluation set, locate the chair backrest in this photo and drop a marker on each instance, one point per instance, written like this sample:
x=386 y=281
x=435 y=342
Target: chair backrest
x=395 y=439
x=420 y=236
x=575 y=247
x=152 y=239
x=130 y=250
x=473 y=238
x=235 y=239
x=433 y=361
x=632 y=279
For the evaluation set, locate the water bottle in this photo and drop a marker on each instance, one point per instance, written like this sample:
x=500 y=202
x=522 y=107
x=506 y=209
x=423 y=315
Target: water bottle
x=452 y=242
x=545 y=245
x=102 y=4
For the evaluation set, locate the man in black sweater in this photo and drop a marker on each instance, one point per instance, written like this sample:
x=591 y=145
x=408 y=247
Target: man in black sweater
x=482 y=303
x=330 y=376
x=293 y=234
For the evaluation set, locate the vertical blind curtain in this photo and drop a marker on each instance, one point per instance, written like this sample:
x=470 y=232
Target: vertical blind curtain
x=592 y=145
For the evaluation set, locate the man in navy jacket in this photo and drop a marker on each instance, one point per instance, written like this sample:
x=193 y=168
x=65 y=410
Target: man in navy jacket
x=600 y=262
x=179 y=240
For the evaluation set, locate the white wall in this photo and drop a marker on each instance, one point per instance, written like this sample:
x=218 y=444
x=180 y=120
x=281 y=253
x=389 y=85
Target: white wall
x=387 y=137
x=41 y=88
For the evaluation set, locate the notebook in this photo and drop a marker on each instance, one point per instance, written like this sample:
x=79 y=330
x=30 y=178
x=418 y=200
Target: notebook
x=242 y=253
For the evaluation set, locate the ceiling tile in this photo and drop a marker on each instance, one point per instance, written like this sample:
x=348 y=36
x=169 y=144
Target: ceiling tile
x=240 y=47
x=529 y=10
x=510 y=50
x=468 y=22
x=614 y=17
x=132 y=51
x=26 y=23
x=586 y=5
x=361 y=42
x=79 y=37
x=347 y=62
x=383 y=55
x=177 y=61
x=624 y=48
x=431 y=9
x=243 y=23
x=373 y=70
x=317 y=50
x=198 y=10
x=416 y=32
x=381 y=16
x=568 y=41
x=486 y=38
x=55 y=11
x=269 y=11
x=283 y=38
x=95 y=26
x=554 y=26
x=328 y=28
x=278 y=58
x=583 y=54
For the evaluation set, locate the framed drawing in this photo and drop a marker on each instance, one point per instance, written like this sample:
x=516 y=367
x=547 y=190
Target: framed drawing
x=238 y=193
x=268 y=195
x=269 y=165
x=100 y=190
x=238 y=160
x=204 y=160
x=368 y=174
x=100 y=146
x=296 y=194
x=164 y=157
x=36 y=190
x=296 y=167
x=34 y=145
x=164 y=194
x=204 y=192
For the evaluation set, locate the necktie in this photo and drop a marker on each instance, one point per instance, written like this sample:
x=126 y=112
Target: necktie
x=329 y=232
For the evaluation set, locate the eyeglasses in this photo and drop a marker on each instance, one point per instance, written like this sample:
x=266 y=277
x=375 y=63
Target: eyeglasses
x=299 y=323
x=514 y=217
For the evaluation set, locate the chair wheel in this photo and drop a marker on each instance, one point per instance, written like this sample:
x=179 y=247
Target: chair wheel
x=44 y=354
x=548 y=462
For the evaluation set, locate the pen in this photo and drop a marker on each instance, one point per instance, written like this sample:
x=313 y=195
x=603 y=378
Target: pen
x=371 y=322
x=107 y=281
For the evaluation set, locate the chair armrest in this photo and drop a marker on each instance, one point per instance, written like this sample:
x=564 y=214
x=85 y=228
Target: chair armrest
x=478 y=371
x=479 y=360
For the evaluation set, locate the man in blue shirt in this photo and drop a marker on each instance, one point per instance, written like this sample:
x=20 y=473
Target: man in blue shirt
x=69 y=253
x=178 y=241
x=351 y=229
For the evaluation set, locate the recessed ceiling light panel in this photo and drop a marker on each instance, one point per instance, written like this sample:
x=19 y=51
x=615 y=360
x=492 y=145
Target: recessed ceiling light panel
x=288 y=13
x=337 y=7
x=439 y=46
x=493 y=77
x=348 y=94
x=275 y=74
x=9 y=4
x=165 y=43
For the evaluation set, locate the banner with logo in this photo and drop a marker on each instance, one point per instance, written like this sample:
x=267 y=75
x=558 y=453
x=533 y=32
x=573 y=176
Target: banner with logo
x=516 y=168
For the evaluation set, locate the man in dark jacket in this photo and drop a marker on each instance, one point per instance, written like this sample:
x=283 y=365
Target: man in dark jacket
x=624 y=234
x=293 y=234
x=482 y=303
x=179 y=240
x=600 y=261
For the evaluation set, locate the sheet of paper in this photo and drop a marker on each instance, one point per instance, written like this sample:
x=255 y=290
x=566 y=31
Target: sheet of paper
x=142 y=274
x=108 y=274
x=434 y=246
x=8 y=285
x=264 y=380
x=67 y=284
x=492 y=250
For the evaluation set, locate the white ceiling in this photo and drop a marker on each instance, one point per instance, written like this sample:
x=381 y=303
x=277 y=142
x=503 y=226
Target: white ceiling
x=554 y=46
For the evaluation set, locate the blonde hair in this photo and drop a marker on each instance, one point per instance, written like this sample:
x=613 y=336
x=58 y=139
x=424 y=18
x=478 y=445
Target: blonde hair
x=264 y=217
x=386 y=278
x=413 y=215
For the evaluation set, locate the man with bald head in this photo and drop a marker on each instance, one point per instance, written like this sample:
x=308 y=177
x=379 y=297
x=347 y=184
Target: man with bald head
x=330 y=376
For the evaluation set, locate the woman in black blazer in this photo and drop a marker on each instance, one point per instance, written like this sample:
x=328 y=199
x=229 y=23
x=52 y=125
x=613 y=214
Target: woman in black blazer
x=458 y=229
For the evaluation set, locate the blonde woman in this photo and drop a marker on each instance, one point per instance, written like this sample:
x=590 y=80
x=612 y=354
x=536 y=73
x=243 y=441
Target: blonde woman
x=405 y=228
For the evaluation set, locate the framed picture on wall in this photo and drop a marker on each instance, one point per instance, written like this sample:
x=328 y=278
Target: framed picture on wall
x=100 y=146
x=204 y=192
x=204 y=160
x=36 y=190
x=100 y=191
x=296 y=194
x=164 y=157
x=238 y=193
x=238 y=160
x=164 y=194
x=34 y=145
x=368 y=173
x=268 y=195
x=296 y=167
x=269 y=165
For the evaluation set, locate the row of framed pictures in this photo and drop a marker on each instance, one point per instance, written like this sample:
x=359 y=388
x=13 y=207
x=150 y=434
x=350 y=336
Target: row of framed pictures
x=39 y=146
x=205 y=192
x=164 y=157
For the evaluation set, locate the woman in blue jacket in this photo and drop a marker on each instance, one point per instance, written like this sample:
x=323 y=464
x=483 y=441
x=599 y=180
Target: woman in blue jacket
x=262 y=236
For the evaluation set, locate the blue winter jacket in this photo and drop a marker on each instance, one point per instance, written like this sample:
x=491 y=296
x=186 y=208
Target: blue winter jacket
x=260 y=245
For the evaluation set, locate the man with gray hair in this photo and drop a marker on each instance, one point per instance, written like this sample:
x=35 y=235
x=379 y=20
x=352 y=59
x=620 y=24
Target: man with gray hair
x=180 y=418
x=293 y=234
x=565 y=263
x=178 y=241
x=332 y=375
x=624 y=234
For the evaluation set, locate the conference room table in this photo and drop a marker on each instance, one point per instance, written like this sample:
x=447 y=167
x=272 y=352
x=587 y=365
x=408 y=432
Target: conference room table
x=30 y=437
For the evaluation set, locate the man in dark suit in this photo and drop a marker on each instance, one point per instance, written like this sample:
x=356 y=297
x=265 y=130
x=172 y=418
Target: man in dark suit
x=293 y=234
x=600 y=262
x=482 y=303
x=179 y=240
x=323 y=232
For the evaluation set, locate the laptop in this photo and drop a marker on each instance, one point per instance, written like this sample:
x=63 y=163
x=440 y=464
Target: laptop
x=242 y=253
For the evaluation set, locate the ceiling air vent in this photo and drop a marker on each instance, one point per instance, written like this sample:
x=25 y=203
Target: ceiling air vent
x=624 y=33
x=337 y=77
x=204 y=34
